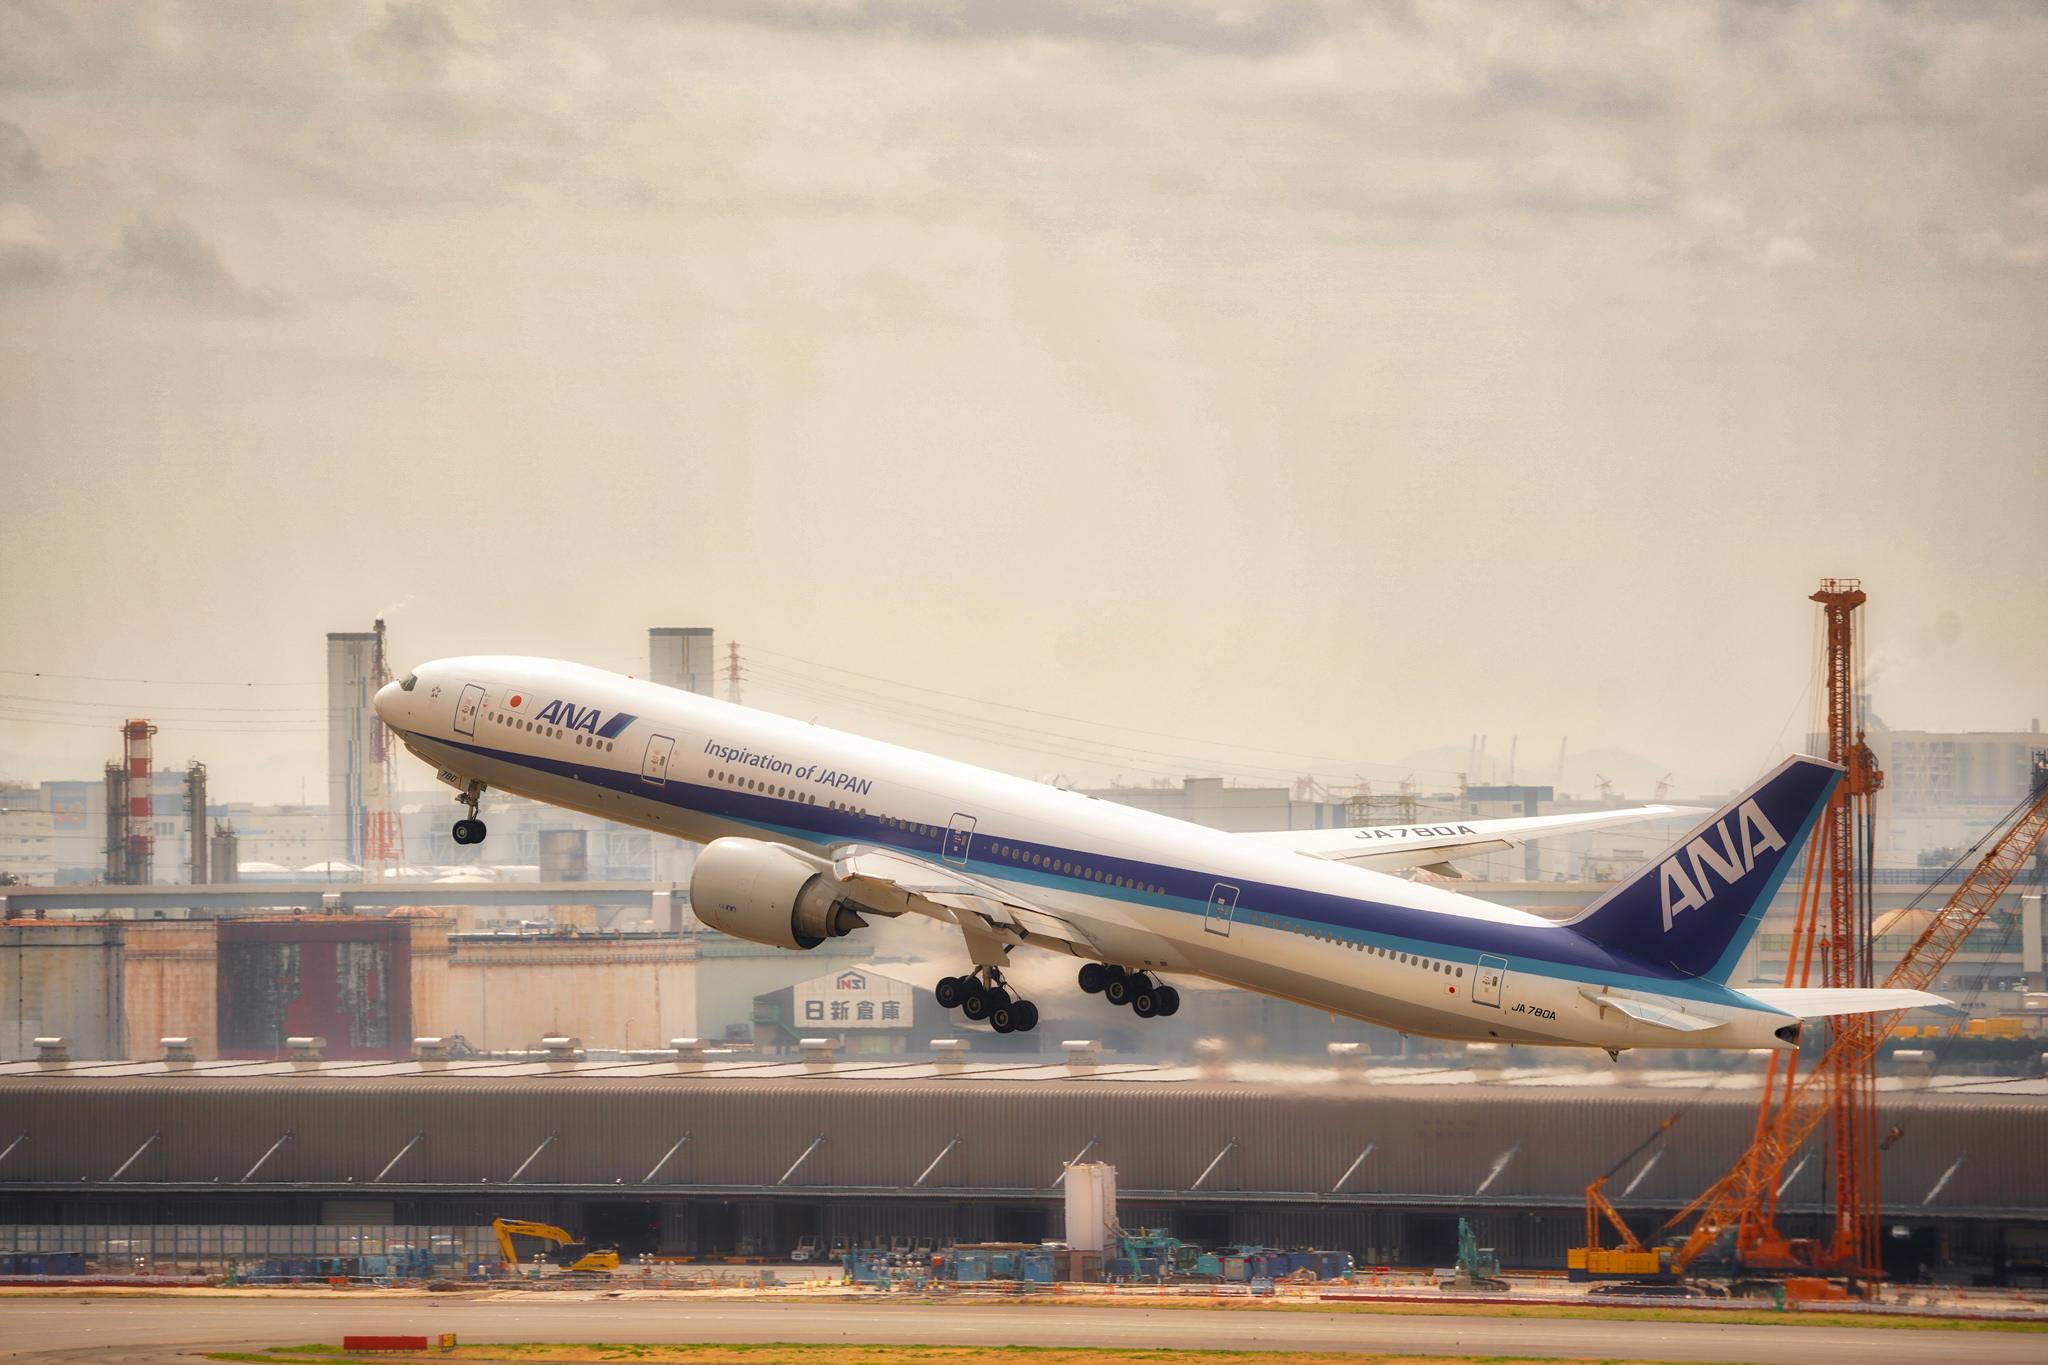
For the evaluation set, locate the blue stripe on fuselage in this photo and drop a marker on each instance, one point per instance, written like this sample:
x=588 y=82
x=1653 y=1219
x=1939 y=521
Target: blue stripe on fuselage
x=1546 y=950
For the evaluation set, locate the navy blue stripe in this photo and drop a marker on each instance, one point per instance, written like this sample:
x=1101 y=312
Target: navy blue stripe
x=1547 y=950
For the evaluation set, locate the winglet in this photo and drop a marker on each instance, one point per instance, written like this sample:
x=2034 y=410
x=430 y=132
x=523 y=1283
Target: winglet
x=1696 y=906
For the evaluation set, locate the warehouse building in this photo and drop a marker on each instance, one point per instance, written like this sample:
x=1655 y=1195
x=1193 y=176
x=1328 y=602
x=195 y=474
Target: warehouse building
x=696 y=1151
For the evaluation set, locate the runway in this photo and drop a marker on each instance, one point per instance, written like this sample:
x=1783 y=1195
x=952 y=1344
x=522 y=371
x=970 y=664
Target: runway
x=140 y=1331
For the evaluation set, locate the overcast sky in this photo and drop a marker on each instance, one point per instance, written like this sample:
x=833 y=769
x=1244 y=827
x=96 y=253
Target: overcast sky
x=1302 y=385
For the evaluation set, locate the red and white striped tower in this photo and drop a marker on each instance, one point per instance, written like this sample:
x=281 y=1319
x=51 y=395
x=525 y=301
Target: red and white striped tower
x=139 y=839
x=383 y=835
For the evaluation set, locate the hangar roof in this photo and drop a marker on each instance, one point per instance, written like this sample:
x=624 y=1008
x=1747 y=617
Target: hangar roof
x=1437 y=1136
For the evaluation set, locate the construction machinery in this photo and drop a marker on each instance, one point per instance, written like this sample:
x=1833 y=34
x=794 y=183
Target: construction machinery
x=1836 y=1092
x=1477 y=1270
x=1745 y=1201
x=1629 y=1259
x=577 y=1258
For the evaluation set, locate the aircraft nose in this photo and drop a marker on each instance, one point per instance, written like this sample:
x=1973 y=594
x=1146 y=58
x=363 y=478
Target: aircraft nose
x=387 y=701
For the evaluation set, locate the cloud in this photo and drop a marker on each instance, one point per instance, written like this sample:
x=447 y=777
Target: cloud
x=1785 y=251
x=19 y=162
x=165 y=256
x=1253 y=28
x=26 y=257
x=414 y=33
x=1992 y=247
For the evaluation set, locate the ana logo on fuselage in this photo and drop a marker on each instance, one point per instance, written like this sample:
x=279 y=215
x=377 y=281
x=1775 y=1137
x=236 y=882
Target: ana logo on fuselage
x=1683 y=877
x=588 y=719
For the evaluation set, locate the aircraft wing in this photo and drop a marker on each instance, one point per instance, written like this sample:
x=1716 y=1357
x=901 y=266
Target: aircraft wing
x=892 y=882
x=1390 y=848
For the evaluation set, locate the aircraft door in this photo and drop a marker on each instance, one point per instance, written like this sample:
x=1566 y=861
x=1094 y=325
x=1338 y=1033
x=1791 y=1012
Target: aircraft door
x=1222 y=909
x=654 y=768
x=1488 y=980
x=466 y=707
x=959 y=839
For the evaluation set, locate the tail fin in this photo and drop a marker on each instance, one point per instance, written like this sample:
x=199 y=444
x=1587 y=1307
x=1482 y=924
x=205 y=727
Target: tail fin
x=1696 y=906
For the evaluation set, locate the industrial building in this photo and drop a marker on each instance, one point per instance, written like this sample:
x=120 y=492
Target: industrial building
x=239 y=985
x=352 y=736
x=693 y=1151
x=682 y=657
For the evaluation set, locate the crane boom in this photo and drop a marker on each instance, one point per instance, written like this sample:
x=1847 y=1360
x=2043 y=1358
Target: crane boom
x=1730 y=1200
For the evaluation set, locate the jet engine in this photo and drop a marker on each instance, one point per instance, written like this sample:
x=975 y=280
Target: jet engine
x=765 y=893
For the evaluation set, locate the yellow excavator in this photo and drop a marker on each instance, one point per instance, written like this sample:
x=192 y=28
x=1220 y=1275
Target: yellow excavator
x=571 y=1255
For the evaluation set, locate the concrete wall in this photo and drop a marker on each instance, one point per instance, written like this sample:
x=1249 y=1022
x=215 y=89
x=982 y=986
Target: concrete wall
x=511 y=992
x=60 y=980
x=168 y=973
x=431 y=956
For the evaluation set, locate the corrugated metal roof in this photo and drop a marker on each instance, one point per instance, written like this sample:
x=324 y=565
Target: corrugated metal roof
x=1435 y=1136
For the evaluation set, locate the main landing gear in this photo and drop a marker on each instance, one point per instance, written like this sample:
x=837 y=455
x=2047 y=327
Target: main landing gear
x=1145 y=993
x=982 y=995
x=471 y=830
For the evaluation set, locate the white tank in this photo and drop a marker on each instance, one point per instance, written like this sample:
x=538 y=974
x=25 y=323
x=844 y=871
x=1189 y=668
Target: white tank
x=1091 y=1204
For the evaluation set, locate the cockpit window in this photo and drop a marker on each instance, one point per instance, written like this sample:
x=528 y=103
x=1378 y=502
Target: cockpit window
x=411 y=681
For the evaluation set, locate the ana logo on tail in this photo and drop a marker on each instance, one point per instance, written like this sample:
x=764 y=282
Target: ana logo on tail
x=1683 y=877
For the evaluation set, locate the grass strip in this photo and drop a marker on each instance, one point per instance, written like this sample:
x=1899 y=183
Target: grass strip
x=801 y=1353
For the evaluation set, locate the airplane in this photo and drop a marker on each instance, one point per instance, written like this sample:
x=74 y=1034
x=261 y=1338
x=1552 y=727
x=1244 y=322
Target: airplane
x=809 y=832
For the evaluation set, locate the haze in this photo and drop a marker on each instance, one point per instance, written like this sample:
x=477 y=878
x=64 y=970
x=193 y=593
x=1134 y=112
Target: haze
x=1317 y=385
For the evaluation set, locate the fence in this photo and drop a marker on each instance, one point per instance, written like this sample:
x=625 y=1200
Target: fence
x=118 y=1246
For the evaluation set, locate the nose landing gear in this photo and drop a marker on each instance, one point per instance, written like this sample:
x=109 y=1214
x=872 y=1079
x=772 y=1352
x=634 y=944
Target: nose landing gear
x=1145 y=993
x=470 y=830
x=982 y=995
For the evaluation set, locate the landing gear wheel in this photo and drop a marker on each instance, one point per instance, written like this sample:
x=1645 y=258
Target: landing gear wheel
x=1144 y=1003
x=979 y=1003
x=1169 y=1001
x=1003 y=1017
x=470 y=830
x=1023 y=1016
x=1117 y=990
x=951 y=993
x=1094 y=976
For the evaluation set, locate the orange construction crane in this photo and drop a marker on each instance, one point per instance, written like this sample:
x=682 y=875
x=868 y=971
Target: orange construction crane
x=1744 y=1200
x=1850 y=1074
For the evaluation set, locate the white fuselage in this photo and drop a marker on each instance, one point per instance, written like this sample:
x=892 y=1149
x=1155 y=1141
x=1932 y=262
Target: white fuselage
x=1149 y=892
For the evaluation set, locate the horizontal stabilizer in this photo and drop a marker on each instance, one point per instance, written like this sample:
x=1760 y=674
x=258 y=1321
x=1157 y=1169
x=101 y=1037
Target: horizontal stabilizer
x=1820 y=1002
